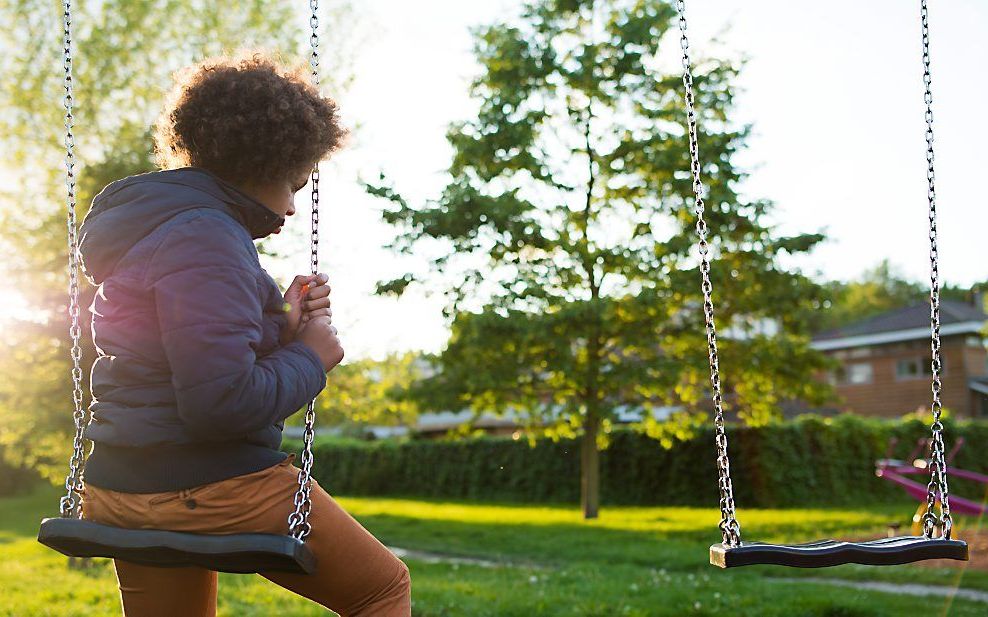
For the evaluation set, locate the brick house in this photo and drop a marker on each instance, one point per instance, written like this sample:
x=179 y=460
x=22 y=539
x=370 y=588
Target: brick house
x=885 y=361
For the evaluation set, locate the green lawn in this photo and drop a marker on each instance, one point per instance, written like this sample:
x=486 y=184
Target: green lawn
x=632 y=561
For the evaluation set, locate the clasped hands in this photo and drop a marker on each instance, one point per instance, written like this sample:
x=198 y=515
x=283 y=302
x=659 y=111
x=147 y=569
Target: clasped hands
x=309 y=318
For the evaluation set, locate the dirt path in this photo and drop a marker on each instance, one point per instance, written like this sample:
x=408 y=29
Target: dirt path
x=979 y=560
x=977 y=543
x=429 y=557
x=897 y=588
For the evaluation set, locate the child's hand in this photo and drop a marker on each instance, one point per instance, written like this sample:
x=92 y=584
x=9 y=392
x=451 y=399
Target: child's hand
x=320 y=334
x=317 y=299
x=295 y=297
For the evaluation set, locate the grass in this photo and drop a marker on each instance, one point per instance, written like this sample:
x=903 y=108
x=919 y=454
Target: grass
x=631 y=561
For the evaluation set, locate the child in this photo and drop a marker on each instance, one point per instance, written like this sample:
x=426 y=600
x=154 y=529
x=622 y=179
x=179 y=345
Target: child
x=199 y=360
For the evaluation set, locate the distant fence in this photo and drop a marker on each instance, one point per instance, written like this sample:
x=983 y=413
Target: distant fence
x=807 y=461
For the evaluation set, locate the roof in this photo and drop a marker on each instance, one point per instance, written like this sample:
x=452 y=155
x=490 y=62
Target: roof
x=908 y=323
x=979 y=384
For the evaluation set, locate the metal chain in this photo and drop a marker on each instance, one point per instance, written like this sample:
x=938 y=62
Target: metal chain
x=298 y=521
x=729 y=527
x=938 y=466
x=69 y=505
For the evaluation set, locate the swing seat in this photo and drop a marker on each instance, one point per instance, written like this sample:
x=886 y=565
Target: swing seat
x=826 y=553
x=242 y=553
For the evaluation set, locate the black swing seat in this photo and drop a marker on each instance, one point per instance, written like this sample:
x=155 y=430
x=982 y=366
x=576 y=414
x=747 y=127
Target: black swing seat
x=238 y=553
x=826 y=553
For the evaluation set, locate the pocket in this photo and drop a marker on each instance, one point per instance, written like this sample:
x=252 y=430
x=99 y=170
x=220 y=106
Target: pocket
x=158 y=499
x=231 y=492
x=206 y=490
x=184 y=495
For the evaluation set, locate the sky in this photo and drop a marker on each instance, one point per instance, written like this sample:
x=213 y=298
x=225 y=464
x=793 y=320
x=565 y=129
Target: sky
x=833 y=90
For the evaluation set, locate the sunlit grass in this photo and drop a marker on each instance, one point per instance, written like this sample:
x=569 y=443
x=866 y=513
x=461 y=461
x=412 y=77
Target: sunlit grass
x=632 y=561
x=768 y=524
x=675 y=538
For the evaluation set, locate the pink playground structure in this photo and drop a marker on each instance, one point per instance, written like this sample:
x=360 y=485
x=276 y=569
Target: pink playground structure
x=895 y=471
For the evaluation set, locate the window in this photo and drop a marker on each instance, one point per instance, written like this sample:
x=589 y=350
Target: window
x=908 y=369
x=854 y=374
x=861 y=372
x=915 y=368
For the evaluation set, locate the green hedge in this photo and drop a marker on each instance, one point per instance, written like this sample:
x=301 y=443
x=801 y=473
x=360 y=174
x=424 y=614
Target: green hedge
x=808 y=461
x=15 y=479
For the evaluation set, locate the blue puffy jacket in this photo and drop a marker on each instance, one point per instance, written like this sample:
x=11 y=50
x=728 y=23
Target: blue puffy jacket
x=191 y=384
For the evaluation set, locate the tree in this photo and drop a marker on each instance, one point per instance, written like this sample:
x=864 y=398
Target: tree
x=879 y=289
x=124 y=54
x=564 y=238
x=371 y=392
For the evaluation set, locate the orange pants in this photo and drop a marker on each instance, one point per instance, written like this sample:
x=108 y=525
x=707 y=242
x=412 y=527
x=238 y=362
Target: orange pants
x=355 y=575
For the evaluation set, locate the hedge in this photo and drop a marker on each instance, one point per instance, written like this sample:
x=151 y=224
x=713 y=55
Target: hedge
x=15 y=479
x=808 y=461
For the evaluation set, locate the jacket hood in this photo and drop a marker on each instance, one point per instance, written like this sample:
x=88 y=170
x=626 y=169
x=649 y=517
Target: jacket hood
x=127 y=210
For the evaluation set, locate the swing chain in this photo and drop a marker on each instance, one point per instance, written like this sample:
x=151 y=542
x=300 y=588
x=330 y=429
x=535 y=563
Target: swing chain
x=938 y=466
x=298 y=521
x=69 y=505
x=729 y=526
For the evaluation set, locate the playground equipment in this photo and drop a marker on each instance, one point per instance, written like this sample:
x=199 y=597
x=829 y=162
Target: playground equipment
x=895 y=471
x=886 y=551
x=241 y=553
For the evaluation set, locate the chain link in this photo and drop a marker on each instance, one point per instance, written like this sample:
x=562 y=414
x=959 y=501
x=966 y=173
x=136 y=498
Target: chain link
x=729 y=527
x=938 y=466
x=298 y=520
x=69 y=505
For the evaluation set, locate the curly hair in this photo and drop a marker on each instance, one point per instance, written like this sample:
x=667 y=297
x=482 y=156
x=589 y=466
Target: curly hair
x=246 y=117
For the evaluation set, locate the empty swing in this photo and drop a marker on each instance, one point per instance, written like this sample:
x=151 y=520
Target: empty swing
x=70 y=535
x=732 y=552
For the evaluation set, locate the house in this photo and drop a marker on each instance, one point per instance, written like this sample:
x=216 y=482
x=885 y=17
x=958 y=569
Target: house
x=885 y=361
x=439 y=423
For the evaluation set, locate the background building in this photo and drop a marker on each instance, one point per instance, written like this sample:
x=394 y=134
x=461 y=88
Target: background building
x=885 y=361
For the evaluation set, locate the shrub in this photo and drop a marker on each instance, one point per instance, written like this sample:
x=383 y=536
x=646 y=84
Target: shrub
x=808 y=461
x=15 y=479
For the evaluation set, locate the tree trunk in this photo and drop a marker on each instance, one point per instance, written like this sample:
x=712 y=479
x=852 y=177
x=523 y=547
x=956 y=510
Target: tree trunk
x=590 y=468
x=589 y=455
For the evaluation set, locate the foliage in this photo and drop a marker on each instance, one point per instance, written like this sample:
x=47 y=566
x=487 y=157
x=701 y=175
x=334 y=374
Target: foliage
x=15 y=478
x=124 y=54
x=809 y=461
x=880 y=289
x=369 y=392
x=876 y=290
x=564 y=239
